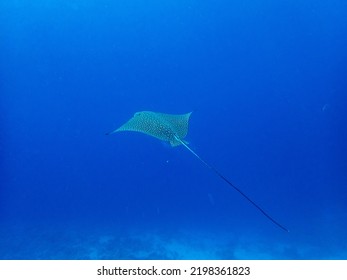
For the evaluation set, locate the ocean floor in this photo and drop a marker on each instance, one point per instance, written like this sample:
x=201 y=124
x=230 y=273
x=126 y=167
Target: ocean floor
x=20 y=242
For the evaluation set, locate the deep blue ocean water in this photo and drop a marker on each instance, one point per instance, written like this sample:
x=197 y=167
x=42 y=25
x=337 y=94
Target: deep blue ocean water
x=266 y=82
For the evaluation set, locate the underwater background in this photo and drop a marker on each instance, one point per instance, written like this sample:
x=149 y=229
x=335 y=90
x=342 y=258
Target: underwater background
x=266 y=82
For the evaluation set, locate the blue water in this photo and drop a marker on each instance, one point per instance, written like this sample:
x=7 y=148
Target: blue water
x=266 y=82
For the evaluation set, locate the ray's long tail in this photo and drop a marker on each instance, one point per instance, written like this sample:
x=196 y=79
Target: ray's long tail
x=232 y=185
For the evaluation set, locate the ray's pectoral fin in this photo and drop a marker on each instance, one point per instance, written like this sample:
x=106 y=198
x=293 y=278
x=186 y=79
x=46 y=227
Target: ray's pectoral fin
x=111 y=132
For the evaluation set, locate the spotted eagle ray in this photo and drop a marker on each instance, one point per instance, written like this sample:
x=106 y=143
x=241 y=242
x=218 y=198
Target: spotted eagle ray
x=173 y=129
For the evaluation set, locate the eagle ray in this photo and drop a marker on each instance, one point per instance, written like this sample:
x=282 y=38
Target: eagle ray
x=173 y=128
